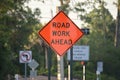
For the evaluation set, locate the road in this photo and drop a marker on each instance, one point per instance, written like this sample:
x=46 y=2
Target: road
x=42 y=78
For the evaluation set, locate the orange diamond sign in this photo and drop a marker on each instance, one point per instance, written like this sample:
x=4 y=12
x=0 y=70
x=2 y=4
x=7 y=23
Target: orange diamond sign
x=60 y=33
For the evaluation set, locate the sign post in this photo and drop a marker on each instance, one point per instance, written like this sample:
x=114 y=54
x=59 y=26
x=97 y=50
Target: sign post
x=99 y=69
x=49 y=63
x=33 y=65
x=71 y=62
x=84 y=73
x=61 y=33
x=25 y=71
x=25 y=57
x=78 y=53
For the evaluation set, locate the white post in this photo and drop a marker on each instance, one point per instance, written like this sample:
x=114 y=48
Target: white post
x=68 y=71
x=16 y=76
x=60 y=75
x=98 y=74
x=83 y=72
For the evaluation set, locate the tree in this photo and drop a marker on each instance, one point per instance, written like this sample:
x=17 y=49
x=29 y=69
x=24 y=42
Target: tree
x=101 y=38
x=17 y=23
x=117 y=35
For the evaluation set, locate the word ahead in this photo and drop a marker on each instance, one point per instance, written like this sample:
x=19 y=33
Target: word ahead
x=60 y=33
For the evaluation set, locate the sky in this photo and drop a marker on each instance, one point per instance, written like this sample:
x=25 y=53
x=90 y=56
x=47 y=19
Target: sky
x=50 y=5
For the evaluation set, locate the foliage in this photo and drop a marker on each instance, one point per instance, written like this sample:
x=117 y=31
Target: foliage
x=15 y=20
x=19 y=31
x=101 y=38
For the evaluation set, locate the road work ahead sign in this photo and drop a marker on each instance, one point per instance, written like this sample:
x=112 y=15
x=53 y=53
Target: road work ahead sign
x=60 y=33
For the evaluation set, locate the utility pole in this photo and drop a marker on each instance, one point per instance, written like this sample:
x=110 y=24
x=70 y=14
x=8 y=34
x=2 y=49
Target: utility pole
x=117 y=31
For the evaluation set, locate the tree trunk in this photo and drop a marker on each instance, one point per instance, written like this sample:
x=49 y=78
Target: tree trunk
x=117 y=34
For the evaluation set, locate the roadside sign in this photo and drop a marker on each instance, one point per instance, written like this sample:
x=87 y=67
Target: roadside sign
x=86 y=31
x=80 y=53
x=61 y=33
x=100 y=66
x=25 y=56
x=33 y=64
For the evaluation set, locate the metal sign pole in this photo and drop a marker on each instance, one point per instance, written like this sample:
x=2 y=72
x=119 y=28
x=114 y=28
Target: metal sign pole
x=49 y=63
x=25 y=71
x=71 y=62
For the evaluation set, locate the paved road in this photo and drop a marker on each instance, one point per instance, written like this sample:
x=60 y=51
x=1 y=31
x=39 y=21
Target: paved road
x=42 y=78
